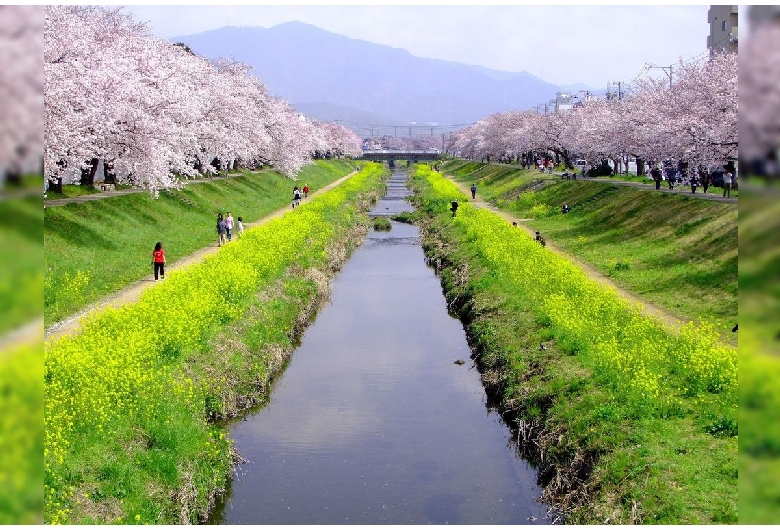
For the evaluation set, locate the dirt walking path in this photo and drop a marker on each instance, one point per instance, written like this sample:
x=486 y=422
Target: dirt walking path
x=132 y=292
x=652 y=310
x=128 y=191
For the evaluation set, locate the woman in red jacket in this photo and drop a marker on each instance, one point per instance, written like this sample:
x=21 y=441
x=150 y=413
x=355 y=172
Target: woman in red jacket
x=158 y=260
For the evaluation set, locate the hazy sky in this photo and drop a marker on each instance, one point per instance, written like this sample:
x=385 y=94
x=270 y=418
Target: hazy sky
x=561 y=44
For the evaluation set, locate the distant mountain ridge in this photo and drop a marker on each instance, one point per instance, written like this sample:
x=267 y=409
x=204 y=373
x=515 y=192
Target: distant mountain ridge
x=330 y=77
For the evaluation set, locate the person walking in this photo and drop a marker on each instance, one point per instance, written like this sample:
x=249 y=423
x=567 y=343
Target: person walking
x=473 y=191
x=221 y=230
x=727 y=176
x=656 y=174
x=239 y=227
x=694 y=183
x=158 y=262
x=229 y=226
x=306 y=191
x=296 y=196
x=705 y=180
x=550 y=166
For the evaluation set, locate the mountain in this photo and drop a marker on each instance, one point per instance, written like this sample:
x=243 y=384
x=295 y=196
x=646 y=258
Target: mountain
x=337 y=77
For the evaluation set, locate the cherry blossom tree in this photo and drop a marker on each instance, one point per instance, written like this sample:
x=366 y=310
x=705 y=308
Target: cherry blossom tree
x=21 y=89
x=759 y=88
x=693 y=121
x=155 y=112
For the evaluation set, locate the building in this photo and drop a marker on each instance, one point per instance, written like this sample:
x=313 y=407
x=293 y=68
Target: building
x=762 y=14
x=724 y=25
x=563 y=101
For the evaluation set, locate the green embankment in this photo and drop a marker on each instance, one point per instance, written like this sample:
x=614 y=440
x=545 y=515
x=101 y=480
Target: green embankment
x=759 y=357
x=21 y=360
x=674 y=251
x=627 y=421
x=131 y=400
x=95 y=248
x=21 y=256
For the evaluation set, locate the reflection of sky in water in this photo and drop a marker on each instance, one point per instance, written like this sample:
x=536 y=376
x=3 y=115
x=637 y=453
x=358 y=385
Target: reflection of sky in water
x=372 y=421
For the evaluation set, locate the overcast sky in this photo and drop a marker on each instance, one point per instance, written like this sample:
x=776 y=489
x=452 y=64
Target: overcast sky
x=561 y=44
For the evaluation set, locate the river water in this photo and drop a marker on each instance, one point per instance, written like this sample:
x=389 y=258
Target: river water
x=372 y=422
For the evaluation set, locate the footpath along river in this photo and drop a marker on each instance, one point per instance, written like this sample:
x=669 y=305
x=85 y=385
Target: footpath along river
x=372 y=421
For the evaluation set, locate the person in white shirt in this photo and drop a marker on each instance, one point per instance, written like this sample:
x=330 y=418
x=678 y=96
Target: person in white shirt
x=727 y=184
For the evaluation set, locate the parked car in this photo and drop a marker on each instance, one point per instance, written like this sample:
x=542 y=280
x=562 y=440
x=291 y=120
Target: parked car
x=580 y=165
x=716 y=178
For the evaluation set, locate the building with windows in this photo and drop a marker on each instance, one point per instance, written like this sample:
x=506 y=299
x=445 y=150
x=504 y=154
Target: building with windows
x=724 y=25
x=563 y=101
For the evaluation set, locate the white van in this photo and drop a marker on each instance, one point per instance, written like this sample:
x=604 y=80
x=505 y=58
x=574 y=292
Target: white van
x=580 y=165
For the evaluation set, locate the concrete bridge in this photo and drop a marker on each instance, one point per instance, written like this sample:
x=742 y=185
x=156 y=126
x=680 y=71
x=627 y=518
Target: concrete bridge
x=392 y=156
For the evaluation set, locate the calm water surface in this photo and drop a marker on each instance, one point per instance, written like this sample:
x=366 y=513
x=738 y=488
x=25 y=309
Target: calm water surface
x=372 y=422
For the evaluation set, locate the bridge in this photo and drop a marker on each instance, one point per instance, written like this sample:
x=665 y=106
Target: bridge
x=392 y=156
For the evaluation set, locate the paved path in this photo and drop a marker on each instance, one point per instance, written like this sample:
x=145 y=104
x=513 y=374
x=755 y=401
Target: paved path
x=29 y=334
x=132 y=292
x=679 y=189
x=128 y=191
x=659 y=313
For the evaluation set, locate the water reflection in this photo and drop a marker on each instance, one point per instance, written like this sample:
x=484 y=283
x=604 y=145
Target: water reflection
x=373 y=423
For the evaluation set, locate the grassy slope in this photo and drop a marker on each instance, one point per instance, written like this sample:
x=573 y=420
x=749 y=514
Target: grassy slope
x=676 y=252
x=21 y=256
x=759 y=275
x=671 y=462
x=146 y=454
x=98 y=247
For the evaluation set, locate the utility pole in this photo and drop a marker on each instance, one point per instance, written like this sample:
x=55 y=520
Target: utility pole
x=666 y=69
x=620 y=93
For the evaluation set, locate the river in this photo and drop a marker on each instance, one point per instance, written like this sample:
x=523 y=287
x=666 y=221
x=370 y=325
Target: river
x=372 y=422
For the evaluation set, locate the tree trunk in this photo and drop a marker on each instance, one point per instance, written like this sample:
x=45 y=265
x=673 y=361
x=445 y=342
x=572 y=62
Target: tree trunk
x=640 y=166
x=109 y=175
x=88 y=173
x=13 y=177
x=55 y=185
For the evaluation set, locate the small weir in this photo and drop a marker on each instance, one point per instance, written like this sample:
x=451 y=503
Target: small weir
x=372 y=421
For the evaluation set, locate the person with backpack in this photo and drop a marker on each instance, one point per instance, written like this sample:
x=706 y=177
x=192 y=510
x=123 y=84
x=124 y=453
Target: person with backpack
x=296 y=196
x=656 y=174
x=473 y=191
x=221 y=230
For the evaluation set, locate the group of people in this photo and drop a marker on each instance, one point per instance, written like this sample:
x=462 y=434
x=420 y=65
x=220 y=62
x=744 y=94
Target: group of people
x=225 y=227
x=543 y=164
x=705 y=181
x=298 y=194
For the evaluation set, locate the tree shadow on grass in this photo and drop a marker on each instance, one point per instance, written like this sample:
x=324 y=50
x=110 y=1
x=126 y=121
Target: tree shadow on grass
x=26 y=223
x=80 y=235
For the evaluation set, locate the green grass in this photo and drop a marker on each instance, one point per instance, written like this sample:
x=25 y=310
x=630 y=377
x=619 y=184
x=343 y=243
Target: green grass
x=603 y=453
x=21 y=435
x=98 y=247
x=759 y=303
x=381 y=223
x=21 y=257
x=71 y=190
x=676 y=252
